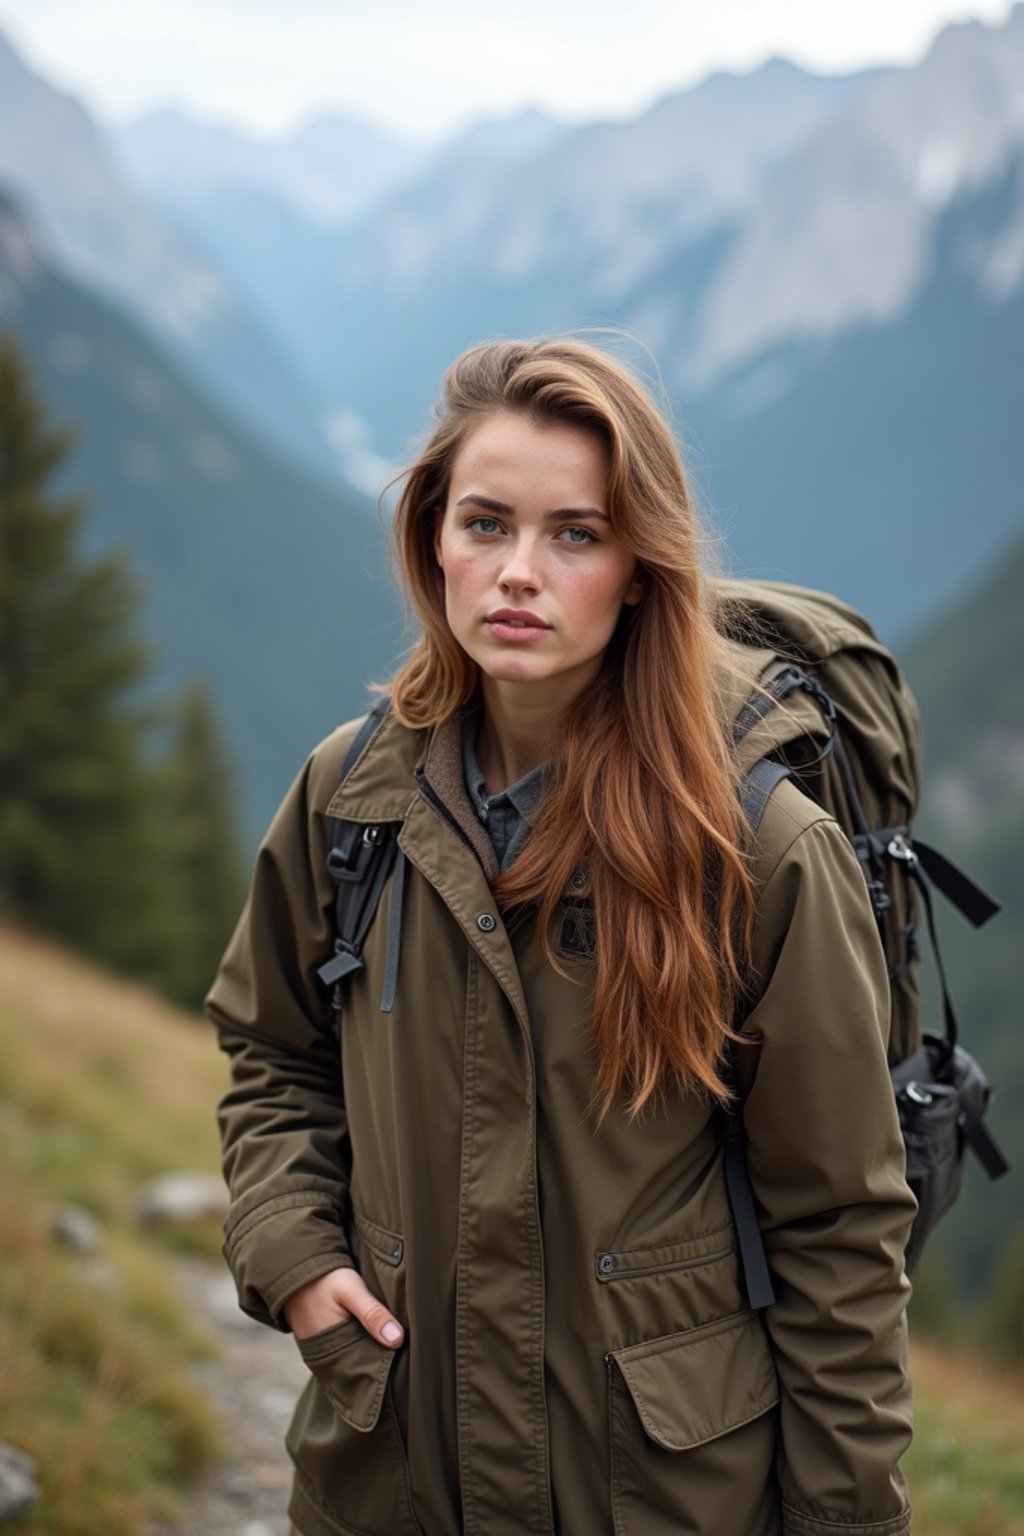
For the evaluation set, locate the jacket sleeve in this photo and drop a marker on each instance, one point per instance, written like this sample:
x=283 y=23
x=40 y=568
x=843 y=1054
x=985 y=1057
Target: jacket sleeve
x=827 y=1165
x=284 y=1133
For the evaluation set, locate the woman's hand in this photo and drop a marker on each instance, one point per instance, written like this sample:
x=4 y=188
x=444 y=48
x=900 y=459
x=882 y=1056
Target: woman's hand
x=334 y=1298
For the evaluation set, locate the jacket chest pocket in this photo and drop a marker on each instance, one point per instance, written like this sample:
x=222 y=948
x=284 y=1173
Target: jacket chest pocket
x=345 y=1438
x=692 y=1434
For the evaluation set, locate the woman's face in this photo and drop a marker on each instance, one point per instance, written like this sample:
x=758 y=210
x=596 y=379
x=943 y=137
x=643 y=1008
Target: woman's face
x=535 y=578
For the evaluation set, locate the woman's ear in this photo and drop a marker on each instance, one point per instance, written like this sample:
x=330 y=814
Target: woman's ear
x=438 y=518
x=636 y=589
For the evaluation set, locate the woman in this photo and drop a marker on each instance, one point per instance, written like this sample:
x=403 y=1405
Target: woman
x=498 y=1227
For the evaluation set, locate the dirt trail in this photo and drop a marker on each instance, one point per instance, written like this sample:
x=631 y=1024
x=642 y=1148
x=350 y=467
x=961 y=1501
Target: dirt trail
x=254 y=1382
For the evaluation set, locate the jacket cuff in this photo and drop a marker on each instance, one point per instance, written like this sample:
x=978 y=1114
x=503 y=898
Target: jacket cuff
x=796 y=1522
x=280 y=1245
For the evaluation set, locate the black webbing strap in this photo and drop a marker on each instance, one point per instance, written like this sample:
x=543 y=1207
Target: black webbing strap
x=753 y=1259
x=359 y=860
x=983 y=1145
x=965 y=894
x=978 y=907
x=756 y=787
x=779 y=687
x=360 y=864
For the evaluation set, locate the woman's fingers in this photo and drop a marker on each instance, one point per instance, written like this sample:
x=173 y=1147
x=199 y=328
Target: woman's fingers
x=334 y=1298
x=352 y=1293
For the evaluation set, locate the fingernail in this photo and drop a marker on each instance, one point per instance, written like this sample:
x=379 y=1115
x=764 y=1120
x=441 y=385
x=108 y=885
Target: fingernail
x=391 y=1333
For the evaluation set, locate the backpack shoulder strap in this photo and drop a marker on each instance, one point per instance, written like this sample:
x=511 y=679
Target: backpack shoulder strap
x=360 y=858
x=756 y=788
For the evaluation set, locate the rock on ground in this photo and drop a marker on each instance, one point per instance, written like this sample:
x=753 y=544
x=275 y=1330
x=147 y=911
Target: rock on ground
x=183 y=1196
x=254 y=1384
x=76 y=1229
x=18 y=1488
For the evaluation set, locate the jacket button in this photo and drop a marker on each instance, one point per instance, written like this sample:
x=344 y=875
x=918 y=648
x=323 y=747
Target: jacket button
x=606 y=1263
x=486 y=923
x=579 y=880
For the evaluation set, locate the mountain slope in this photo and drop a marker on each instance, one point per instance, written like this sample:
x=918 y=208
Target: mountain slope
x=94 y=227
x=965 y=671
x=887 y=463
x=558 y=238
x=839 y=234
x=258 y=579
x=327 y=171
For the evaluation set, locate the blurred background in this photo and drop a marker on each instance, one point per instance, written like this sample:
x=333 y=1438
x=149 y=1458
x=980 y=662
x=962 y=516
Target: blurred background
x=238 y=246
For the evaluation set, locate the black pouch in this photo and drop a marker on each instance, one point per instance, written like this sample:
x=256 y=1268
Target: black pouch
x=941 y=1094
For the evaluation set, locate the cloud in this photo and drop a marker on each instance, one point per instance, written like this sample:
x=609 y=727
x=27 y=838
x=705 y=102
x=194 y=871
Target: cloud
x=423 y=71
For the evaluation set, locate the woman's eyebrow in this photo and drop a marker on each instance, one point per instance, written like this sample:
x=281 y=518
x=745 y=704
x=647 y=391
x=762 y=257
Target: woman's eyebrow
x=506 y=511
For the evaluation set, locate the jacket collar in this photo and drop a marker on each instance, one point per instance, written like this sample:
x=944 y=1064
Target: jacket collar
x=393 y=770
x=397 y=761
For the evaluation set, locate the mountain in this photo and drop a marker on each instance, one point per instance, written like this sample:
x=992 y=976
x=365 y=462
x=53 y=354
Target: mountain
x=504 y=140
x=99 y=231
x=885 y=464
x=244 y=205
x=258 y=579
x=557 y=238
x=841 y=440
x=326 y=172
x=964 y=668
x=840 y=232
x=747 y=213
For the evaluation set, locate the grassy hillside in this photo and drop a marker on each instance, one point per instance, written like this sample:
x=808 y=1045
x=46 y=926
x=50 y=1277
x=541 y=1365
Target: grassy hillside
x=965 y=1469
x=102 y=1086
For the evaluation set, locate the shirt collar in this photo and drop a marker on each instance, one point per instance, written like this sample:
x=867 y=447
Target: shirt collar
x=524 y=794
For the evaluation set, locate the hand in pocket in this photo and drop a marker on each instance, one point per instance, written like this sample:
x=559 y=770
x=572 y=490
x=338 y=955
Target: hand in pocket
x=334 y=1298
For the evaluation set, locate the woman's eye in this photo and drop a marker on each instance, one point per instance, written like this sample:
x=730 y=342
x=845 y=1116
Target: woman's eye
x=483 y=524
x=578 y=535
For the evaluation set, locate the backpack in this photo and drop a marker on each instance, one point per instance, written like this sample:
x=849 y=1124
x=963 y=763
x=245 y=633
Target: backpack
x=832 y=712
x=854 y=746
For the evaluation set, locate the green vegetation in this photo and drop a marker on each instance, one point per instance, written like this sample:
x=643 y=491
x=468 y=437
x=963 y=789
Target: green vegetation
x=130 y=858
x=101 y=1086
x=965 y=1469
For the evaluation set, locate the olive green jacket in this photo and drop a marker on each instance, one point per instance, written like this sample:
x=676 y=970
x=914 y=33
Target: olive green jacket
x=579 y=1358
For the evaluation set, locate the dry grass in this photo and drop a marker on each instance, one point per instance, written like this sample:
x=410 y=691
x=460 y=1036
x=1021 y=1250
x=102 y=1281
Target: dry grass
x=101 y=1086
x=966 y=1468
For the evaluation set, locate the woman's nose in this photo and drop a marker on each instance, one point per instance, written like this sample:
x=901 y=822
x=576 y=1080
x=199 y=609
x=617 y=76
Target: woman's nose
x=521 y=570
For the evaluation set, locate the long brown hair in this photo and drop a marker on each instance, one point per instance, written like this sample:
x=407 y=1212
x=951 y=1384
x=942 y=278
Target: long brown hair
x=642 y=791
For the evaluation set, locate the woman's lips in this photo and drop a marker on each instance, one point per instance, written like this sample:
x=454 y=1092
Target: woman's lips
x=516 y=630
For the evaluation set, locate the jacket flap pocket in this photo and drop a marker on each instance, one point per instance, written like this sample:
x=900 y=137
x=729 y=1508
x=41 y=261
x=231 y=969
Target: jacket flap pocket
x=352 y=1368
x=691 y=1387
x=387 y=1245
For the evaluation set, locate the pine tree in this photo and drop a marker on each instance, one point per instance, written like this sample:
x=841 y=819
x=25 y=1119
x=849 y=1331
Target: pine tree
x=203 y=846
x=79 y=818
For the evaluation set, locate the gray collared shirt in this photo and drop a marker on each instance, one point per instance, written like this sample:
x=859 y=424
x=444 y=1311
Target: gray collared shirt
x=507 y=814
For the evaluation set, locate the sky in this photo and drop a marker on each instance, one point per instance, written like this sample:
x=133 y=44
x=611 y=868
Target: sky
x=422 y=69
